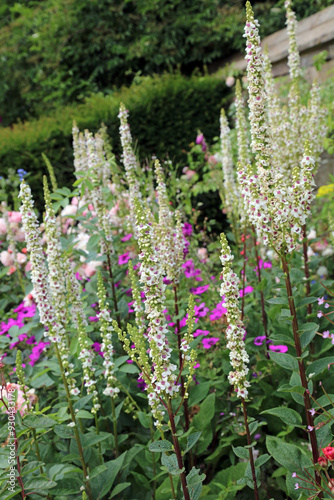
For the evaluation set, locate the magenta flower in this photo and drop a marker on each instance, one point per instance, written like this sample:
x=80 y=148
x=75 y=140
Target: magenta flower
x=197 y=366
x=124 y=258
x=127 y=237
x=93 y=319
x=248 y=289
x=278 y=348
x=201 y=311
x=187 y=229
x=218 y=311
x=259 y=340
x=199 y=332
x=199 y=289
x=130 y=308
x=166 y=281
x=207 y=343
x=37 y=351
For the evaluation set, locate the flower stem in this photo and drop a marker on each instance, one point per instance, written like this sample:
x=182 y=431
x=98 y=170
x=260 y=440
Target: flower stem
x=306 y=269
x=299 y=352
x=76 y=432
x=99 y=444
x=115 y=426
x=263 y=309
x=177 y=451
x=251 y=458
x=243 y=278
x=113 y=290
x=153 y=458
x=178 y=329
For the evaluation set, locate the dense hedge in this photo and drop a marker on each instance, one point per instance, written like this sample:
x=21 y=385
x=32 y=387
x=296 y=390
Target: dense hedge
x=165 y=114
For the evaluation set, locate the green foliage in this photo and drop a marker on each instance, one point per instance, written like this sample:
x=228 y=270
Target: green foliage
x=53 y=53
x=165 y=114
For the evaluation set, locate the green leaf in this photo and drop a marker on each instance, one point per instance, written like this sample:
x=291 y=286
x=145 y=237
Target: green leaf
x=287 y=388
x=198 y=393
x=241 y=452
x=129 y=368
x=192 y=440
x=144 y=419
x=84 y=414
x=284 y=360
x=118 y=489
x=82 y=402
x=93 y=242
x=159 y=446
x=39 y=483
x=305 y=301
x=36 y=422
x=287 y=415
x=286 y=454
x=31 y=467
x=170 y=462
x=194 y=482
x=90 y=438
x=318 y=366
x=102 y=484
x=262 y=460
x=207 y=411
x=278 y=300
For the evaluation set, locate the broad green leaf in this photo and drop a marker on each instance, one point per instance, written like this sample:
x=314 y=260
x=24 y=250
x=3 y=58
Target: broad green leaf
x=144 y=419
x=305 y=301
x=192 y=440
x=195 y=483
x=241 y=452
x=39 y=483
x=102 y=484
x=286 y=454
x=262 y=460
x=159 y=446
x=278 y=300
x=287 y=388
x=31 y=467
x=170 y=462
x=318 y=366
x=287 y=415
x=118 y=489
x=36 y=422
x=284 y=360
x=207 y=411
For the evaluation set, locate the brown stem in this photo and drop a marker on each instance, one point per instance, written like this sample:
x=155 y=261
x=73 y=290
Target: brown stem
x=75 y=428
x=263 y=309
x=299 y=352
x=113 y=290
x=178 y=331
x=306 y=269
x=177 y=451
x=243 y=279
x=251 y=458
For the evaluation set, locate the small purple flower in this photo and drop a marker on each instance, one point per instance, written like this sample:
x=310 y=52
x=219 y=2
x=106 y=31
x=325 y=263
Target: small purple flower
x=207 y=343
x=278 y=348
x=326 y=334
x=248 y=289
x=257 y=436
x=199 y=289
x=319 y=314
x=259 y=340
x=201 y=311
x=124 y=258
x=321 y=301
x=127 y=237
x=187 y=229
x=199 y=332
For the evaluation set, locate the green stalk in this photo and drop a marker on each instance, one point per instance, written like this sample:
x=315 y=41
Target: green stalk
x=76 y=432
x=99 y=444
x=115 y=426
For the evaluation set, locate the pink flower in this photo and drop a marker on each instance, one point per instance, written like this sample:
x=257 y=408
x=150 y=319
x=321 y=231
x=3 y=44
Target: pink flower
x=319 y=314
x=3 y=227
x=124 y=258
x=278 y=348
x=127 y=237
x=259 y=340
x=321 y=301
x=201 y=311
x=197 y=366
x=27 y=268
x=15 y=217
x=199 y=290
x=6 y=258
x=187 y=229
x=190 y=174
x=207 y=343
x=21 y=258
x=201 y=332
x=248 y=289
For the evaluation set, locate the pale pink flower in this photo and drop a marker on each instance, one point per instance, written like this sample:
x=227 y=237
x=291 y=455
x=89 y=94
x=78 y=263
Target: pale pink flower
x=21 y=258
x=230 y=80
x=6 y=258
x=27 y=269
x=3 y=227
x=19 y=235
x=202 y=254
x=14 y=217
x=190 y=174
x=69 y=210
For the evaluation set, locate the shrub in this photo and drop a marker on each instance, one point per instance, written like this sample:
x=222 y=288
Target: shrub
x=165 y=113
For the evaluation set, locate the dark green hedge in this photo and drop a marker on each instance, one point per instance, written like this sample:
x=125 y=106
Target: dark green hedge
x=165 y=114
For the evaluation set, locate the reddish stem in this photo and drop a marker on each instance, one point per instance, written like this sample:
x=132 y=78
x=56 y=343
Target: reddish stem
x=299 y=352
x=243 y=279
x=251 y=458
x=306 y=269
x=178 y=331
x=177 y=451
x=263 y=309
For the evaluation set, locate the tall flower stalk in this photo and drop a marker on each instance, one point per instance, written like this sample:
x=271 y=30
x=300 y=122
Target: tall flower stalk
x=235 y=334
x=276 y=206
x=50 y=317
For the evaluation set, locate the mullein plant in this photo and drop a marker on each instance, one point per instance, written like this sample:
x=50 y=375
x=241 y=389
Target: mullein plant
x=49 y=301
x=130 y=164
x=151 y=349
x=277 y=207
x=170 y=241
x=235 y=334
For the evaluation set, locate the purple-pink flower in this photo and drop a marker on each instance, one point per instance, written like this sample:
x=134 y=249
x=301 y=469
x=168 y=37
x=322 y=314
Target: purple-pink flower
x=259 y=340
x=127 y=237
x=278 y=348
x=207 y=343
x=248 y=289
x=199 y=289
x=124 y=258
x=199 y=332
x=201 y=311
x=187 y=229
